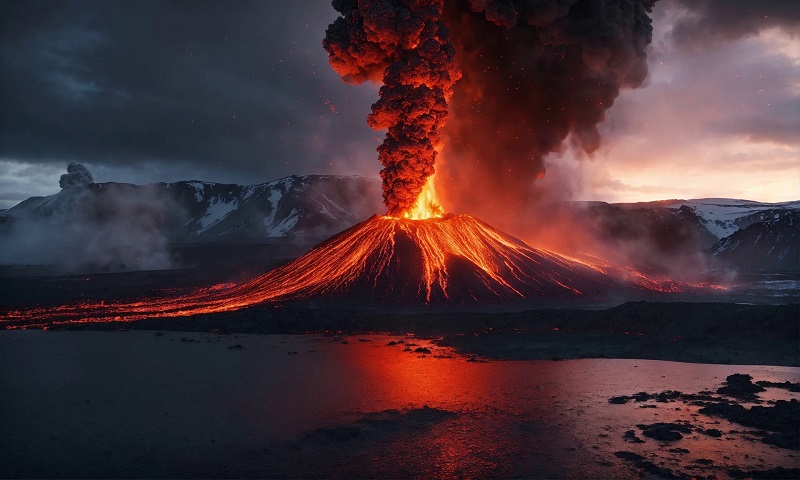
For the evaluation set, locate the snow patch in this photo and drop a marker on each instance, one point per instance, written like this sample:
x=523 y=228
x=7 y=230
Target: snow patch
x=199 y=189
x=335 y=205
x=275 y=196
x=283 y=227
x=217 y=210
x=719 y=215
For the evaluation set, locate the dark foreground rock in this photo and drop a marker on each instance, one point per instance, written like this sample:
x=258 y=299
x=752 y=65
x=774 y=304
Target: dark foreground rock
x=777 y=424
x=740 y=386
x=665 y=432
x=782 y=420
x=682 y=331
x=787 y=385
x=772 y=473
x=646 y=466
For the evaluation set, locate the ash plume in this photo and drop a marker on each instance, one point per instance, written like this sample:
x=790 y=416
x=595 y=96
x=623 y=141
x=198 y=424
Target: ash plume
x=404 y=44
x=77 y=176
x=535 y=73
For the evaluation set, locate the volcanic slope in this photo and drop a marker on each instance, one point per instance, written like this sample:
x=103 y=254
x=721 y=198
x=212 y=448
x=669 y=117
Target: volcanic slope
x=454 y=260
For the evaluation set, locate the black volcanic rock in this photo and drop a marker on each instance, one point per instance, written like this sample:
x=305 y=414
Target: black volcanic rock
x=741 y=386
x=665 y=432
x=782 y=420
x=769 y=474
x=630 y=436
x=711 y=432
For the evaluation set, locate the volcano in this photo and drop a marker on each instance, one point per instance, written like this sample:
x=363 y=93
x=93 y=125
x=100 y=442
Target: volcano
x=386 y=261
x=449 y=260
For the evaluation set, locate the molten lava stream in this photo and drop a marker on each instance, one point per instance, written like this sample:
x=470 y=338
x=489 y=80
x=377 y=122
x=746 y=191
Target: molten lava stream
x=422 y=258
x=452 y=260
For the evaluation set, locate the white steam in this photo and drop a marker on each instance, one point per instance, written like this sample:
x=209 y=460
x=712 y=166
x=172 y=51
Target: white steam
x=90 y=227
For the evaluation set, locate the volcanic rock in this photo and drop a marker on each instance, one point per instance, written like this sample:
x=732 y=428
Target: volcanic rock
x=630 y=436
x=783 y=418
x=668 y=432
x=740 y=385
x=711 y=432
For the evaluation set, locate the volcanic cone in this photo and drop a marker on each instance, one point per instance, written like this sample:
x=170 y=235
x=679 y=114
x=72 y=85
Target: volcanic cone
x=385 y=261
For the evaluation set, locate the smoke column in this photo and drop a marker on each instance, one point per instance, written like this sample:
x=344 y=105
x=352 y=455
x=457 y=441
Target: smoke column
x=535 y=72
x=77 y=176
x=404 y=44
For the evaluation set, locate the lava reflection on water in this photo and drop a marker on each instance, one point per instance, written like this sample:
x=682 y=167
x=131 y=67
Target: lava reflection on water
x=360 y=409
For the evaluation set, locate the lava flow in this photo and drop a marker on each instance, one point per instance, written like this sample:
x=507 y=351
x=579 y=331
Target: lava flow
x=415 y=255
x=452 y=260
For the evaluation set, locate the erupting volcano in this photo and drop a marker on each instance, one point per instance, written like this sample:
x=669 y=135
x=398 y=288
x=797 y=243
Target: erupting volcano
x=453 y=260
x=415 y=254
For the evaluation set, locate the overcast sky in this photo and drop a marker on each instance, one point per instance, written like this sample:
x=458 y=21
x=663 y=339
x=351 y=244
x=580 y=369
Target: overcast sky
x=241 y=92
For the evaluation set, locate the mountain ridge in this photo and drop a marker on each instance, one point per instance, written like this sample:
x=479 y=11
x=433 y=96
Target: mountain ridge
x=318 y=206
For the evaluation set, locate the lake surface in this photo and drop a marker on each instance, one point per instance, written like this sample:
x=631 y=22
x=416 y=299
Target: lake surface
x=134 y=404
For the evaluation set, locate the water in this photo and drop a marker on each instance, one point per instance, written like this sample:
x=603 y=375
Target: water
x=136 y=404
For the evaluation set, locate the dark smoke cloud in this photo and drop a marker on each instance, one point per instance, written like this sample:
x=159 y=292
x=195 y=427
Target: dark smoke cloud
x=535 y=72
x=77 y=176
x=403 y=44
x=712 y=21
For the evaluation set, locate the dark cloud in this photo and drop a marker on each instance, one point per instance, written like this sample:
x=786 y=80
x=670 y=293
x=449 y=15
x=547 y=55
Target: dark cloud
x=712 y=21
x=240 y=86
x=779 y=123
x=146 y=91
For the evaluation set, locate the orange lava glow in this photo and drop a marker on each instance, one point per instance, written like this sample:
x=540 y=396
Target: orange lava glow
x=384 y=260
x=649 y=282
x=427 y=204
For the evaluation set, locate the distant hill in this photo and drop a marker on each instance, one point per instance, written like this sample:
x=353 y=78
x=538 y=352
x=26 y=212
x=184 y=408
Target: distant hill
x=721 y=216
x=118 y=223
x=772 y=243
x=311 y=205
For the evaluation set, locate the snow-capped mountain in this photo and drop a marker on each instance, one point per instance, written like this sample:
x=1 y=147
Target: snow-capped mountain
x=312 y=205
x=125 y=223
x=730 y=233
x=315 y=205
x=770 y=244
x=722 y=217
